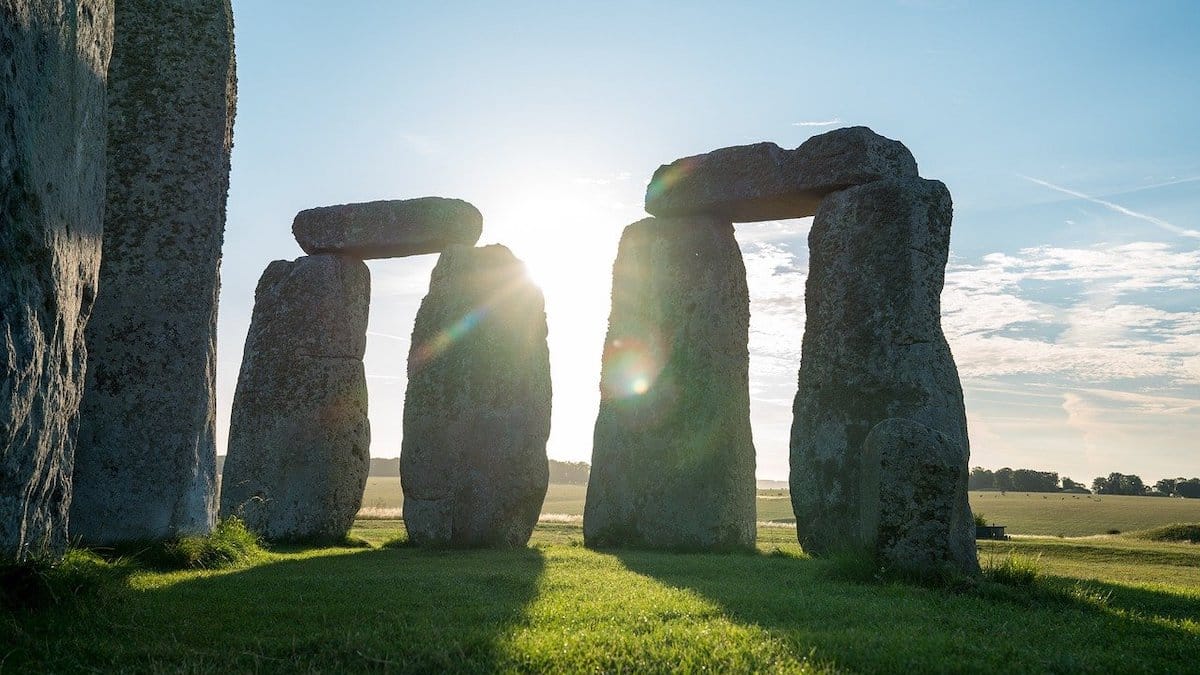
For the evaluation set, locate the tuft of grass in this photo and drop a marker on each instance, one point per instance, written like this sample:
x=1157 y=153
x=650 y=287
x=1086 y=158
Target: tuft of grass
x=1013 y=569
x=230 y=544
x=1178 y=532
x=855 y=566
x=45 y=582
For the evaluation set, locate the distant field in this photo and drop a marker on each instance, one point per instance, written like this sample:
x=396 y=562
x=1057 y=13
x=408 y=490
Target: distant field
x=1022 y=513
x=383 y=497
x=1081 y=515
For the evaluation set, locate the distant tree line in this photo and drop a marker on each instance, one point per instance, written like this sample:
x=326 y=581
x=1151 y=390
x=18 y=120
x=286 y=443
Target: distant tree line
x=1122 y=484
x=1017 y=480
x=1028 y=480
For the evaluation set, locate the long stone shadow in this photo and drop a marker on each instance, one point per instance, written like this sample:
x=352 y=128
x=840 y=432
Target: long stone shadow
x=350 y=610
x=877 y=626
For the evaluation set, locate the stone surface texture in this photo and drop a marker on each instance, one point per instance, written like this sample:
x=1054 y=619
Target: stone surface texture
x=672 y=456
x=873 y=345
x=145 y=468
x=915 y=515
x=53 y=63
x=388 y=229
x=299 y=437
x=765 y=182
x=477 y=411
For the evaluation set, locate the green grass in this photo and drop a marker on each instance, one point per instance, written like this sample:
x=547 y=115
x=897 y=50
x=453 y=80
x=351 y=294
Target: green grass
x=1179 y=532
x=229 y=544
x=558 y=606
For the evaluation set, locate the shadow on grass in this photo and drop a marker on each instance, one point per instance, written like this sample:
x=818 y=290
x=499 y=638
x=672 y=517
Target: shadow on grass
x=406 y=609
x=1055 y=624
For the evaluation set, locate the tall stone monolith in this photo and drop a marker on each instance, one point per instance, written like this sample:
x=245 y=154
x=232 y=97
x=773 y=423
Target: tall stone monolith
x=672 y=457
x=146 y=461
x=873 y=346
x=299 y=437
x=477 y=411
x=53 y=63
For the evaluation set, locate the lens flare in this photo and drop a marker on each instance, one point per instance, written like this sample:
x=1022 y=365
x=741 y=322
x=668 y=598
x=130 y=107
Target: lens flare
x=517 y=280
x=426 y=352
x=670 y=175
x=630 y=368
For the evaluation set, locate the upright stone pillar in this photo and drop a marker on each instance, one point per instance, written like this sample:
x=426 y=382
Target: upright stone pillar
x=873 y=348
x=53 y=63
x=673 y=457
x=477 y=411
x=299 y=437
x=146 y=462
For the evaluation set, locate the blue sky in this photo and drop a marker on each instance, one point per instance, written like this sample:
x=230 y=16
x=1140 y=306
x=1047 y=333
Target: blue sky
x=1067 y=133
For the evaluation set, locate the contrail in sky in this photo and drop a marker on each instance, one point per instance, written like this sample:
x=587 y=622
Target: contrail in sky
x=827 y=123
x=385 y=335
x=1170 y=227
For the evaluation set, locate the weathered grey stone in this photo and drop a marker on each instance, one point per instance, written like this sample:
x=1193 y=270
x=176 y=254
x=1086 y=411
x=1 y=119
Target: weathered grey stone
x=673 y=457
x=388 y=229
x=146 y=462
x=873 y=344
x=477 y=412
x=299 y=437
x=914 y=509
x=765 y=182
x=53 y=63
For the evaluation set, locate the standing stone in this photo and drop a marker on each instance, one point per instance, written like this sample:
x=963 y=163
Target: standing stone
x=388 y=229
x=673 y=457
x=53 y=63
x=873 y=345
x=915 y=515
x=299 y=437
x=146 y=461
x=749 y=183
x=477 y=411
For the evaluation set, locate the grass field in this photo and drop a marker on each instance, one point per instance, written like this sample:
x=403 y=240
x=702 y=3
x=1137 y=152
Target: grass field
x=1107 y=604
x=1022 y=513
x=1081 y=515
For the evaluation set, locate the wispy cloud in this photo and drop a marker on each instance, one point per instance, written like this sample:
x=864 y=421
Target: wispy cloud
x=388 y=336
x=1107 y=331
x=603 y=180
x=1170 y=227
x=1165 y=183
x=818 y=123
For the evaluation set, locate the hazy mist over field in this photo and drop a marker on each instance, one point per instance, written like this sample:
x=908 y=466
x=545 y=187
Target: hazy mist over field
x=1066 y=134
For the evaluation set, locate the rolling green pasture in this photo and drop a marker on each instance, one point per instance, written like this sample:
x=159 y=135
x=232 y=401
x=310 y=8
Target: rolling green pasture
x=1101 y=605
x=1022 y=513
x=1081 y=515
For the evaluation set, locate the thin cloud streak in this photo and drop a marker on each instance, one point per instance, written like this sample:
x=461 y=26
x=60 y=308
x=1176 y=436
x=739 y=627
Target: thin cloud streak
x=1170 y=227
x=388 y=336
x=1166 y=183
x=825 y=123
